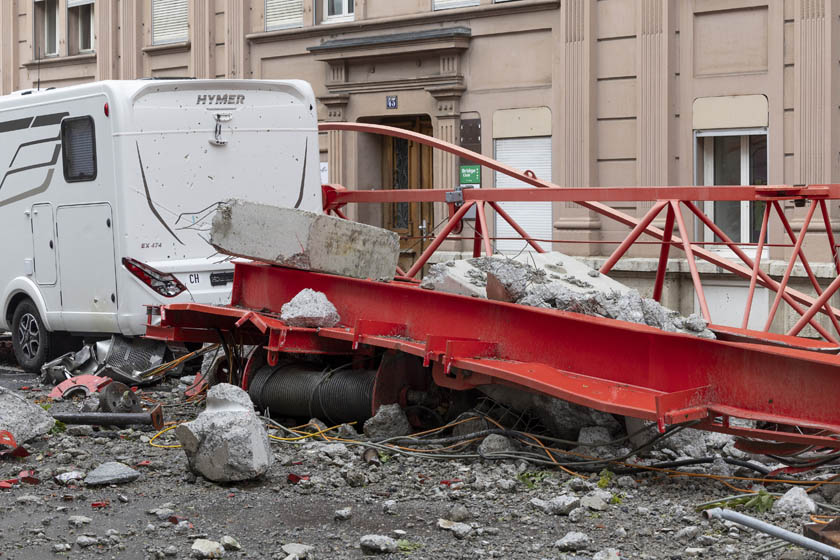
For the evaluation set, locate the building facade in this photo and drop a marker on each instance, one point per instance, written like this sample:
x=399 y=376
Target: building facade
x=581 y=92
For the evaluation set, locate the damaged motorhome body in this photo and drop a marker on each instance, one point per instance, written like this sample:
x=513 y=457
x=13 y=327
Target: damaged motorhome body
x=110 y=189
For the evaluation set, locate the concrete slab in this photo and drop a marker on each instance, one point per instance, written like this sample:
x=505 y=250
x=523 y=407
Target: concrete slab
x=304 y=240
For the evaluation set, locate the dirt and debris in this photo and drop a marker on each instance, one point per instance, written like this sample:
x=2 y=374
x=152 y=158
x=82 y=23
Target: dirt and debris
x=409 y=503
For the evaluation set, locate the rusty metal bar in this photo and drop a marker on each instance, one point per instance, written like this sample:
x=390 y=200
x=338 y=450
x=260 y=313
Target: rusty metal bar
x=485 y=233
x=806 y=265
x=756 y=265
x=791 y=263
x=506 y=217
x=663 y=255
x=692 y=265
x=441 y=237
x=633 y=236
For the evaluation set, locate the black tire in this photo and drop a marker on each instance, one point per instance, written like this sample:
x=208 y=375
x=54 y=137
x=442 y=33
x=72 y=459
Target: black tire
x=31 y=341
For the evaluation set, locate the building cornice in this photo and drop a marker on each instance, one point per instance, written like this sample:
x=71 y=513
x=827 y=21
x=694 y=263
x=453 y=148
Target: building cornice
x=439 y=16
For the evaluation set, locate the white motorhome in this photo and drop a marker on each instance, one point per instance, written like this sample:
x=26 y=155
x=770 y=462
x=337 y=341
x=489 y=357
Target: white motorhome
x=107 y=191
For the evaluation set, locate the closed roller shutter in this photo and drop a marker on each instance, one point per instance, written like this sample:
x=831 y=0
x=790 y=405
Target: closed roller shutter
x=533 y=217
x=75 y=3
x=283 y=13
x=170 y=21
x=446 y=4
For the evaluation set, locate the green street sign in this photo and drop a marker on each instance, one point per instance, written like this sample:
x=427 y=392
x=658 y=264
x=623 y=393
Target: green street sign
x=470 y=174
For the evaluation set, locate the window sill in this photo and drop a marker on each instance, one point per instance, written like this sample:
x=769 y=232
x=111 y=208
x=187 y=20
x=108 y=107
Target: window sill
x=55 y=61
x=434 y=16
x=167 y=48
x=330 y=20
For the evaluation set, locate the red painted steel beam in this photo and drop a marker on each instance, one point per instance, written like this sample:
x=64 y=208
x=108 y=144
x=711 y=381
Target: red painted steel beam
x=610 y=365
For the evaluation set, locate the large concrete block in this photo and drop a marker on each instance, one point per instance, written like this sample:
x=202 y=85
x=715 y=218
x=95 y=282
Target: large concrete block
x=305 y=240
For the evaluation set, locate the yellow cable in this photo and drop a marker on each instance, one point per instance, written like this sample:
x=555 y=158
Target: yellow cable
x=160 y=433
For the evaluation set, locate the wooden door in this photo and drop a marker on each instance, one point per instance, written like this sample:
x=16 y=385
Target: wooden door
x=408 y=165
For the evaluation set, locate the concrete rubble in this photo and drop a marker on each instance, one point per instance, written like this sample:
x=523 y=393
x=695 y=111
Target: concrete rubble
x=227 y=442
x=389 y=421
x=111 y=473
x=304 y=240
x=24 y=420
x=557 y=281
x=310 y=309
x=795 y=502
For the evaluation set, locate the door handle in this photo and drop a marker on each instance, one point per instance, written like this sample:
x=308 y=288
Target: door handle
x=423 y=227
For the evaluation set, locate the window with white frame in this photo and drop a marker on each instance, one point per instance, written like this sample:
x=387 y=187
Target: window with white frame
x=339 y=10
x=80 y=26
x=46 y=28
x=281 y=14
x=733 y=157
x=170 y=21
x=448 y=4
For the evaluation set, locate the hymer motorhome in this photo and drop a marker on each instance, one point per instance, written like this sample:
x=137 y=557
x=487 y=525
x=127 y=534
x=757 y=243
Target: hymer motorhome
x=108 y=189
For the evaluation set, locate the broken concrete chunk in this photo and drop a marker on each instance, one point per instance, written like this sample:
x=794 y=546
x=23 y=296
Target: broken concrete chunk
x=227 y=442
x=390 y=421
x=304 y=240
x=21 y=418
x=377 y=544
x=795 y=502
x=203 y=548
x=310 y=309
x=111 y=473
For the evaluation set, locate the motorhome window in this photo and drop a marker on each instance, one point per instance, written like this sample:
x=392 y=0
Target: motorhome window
x=46 y=28
x=80 y=26
x=78 y=146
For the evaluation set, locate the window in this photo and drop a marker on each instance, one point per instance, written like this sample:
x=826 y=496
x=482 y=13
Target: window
x=80 y=26
x=447 y=4
x=535 y=217
x=78 y=148
x=280 y=14
x=170 y=21
x=46 y=28
x=737 y=157
x=338 y=10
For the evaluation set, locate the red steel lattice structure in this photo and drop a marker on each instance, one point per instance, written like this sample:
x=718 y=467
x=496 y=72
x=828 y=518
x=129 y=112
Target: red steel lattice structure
x=613 y=366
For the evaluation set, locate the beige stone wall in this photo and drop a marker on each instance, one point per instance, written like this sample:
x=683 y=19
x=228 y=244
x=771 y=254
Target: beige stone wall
x=620 y=80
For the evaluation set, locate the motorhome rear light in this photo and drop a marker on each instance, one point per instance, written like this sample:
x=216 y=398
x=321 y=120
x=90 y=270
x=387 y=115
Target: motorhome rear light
x=107 y=110
x=163 y=283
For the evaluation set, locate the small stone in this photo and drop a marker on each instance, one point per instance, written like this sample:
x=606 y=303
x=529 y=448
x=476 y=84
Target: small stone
x=795 y=501
x=573 y=541
x=78 y=520
x=595 y=500
x=621 y=532
x=459 y=512
x=563 y=504
x=460 y=530
x=68 y=477
x=506 y=485
x=577 y=514
x=203 y=548
x=625 y=481
x=695 y=551
x=85 y=541
x=297 y=550
x=343 y=514
x=310 y=309
x=389 y=507
x=79 y=430
x=111 y=473
x=28 y=499
x=687 y=534
x=607 y=554
x=62 y=547
x=229 y=543
x=170 y=551
x=375 y=544
x=494 y=444
x=389 y=421
x=579 y=484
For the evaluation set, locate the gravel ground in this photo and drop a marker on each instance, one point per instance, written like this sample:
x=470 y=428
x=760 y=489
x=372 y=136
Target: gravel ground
x=489 y=509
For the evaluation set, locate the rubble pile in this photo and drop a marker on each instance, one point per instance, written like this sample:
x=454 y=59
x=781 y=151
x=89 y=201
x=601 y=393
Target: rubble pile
x=557 y=281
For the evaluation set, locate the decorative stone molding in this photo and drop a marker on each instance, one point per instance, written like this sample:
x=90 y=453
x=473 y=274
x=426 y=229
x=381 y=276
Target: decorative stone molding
x=336 y=106
x=448 y=99
x=236 y=51
x=202 y=15
x=8 y=47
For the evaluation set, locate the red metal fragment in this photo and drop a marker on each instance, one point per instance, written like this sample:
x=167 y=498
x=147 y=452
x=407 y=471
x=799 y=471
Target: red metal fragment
x=100 y=505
